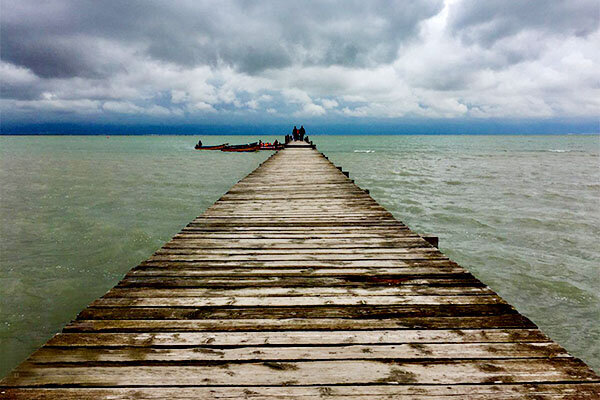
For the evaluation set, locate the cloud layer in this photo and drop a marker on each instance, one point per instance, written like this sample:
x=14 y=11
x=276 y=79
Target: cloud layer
x=189 y=61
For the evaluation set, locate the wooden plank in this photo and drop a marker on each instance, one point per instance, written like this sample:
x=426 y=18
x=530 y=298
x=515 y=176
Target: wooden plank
x=295 y=224
x=291 y=301
x=301 y=291
x=330 y=253
x=275 y=219
x=313 y=230
x=373 y=264
x=446 y=351
x=300 y=257
x=294 y=243
x=306 y=373
x=219 y=281
x=350 y=392
x=277 y=312
x=258 y=214
x=290 y=235
x=238 y=271
x=508 y=321
x=419 y=336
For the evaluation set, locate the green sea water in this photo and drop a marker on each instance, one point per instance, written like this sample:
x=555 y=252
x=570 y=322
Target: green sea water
x=522 y=213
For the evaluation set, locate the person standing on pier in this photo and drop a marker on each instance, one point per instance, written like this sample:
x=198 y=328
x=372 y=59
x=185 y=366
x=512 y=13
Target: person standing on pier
x=301 y=132
x=295 y=133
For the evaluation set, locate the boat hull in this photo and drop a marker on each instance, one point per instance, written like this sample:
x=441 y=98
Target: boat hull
x=241 y=149
x=218 y=147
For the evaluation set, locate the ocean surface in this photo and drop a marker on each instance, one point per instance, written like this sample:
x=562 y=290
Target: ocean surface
x=522 y=213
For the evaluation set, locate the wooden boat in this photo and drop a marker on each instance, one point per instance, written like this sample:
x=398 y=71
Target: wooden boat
x=242 y=148
x=217 y=147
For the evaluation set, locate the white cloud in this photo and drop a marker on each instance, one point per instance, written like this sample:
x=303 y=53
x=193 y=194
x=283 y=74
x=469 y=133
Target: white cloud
x=356 y=112
x=329 y=103
x=311 y=110
x=296 y=96
x=265 y=98
x=201 y=106
x=154 y=110
x=82 y=106
x=12 y=74
x=179 y=96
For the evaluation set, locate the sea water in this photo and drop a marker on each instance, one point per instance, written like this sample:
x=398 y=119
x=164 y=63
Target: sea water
x=522 y=213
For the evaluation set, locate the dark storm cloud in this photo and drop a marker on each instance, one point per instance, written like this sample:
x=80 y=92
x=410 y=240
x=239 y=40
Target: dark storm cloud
x=53 y=38
x=56 y=57
x=20 y=92
x=488 y=21
x=270 y=59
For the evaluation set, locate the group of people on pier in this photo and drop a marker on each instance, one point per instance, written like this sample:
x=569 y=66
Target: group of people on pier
x=297 y=134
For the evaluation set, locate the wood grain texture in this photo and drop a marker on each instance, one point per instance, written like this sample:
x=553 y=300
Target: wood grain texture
x=296 y=284
x=543 y=391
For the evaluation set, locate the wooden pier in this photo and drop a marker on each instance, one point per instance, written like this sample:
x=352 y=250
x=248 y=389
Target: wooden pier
x=297 y=284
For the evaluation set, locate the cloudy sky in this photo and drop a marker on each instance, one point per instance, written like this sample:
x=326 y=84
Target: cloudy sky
x=431 y=62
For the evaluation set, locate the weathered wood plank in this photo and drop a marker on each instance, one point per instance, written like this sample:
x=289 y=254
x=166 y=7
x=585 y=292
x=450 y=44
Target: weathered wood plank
x=330 y=253
x=313 y=230
x=509 y=321
x=276 y=219
x=300 y=257
x=277 y=312
x=295 y=224
x=291 y=301
x=293 y=233
x=293 y=243
x=540 y=391
x=218 y=281
x=301 y=291
x=372 y=264
x=307 y=373
x=165 y=339
x=239 y=271
x=413 y=351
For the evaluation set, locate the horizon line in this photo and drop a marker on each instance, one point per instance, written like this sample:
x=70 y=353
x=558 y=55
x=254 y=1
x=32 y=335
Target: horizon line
x=313 y=134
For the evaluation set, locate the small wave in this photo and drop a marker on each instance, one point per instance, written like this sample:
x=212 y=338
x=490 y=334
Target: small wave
x=364 y=151
x=559 y=151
